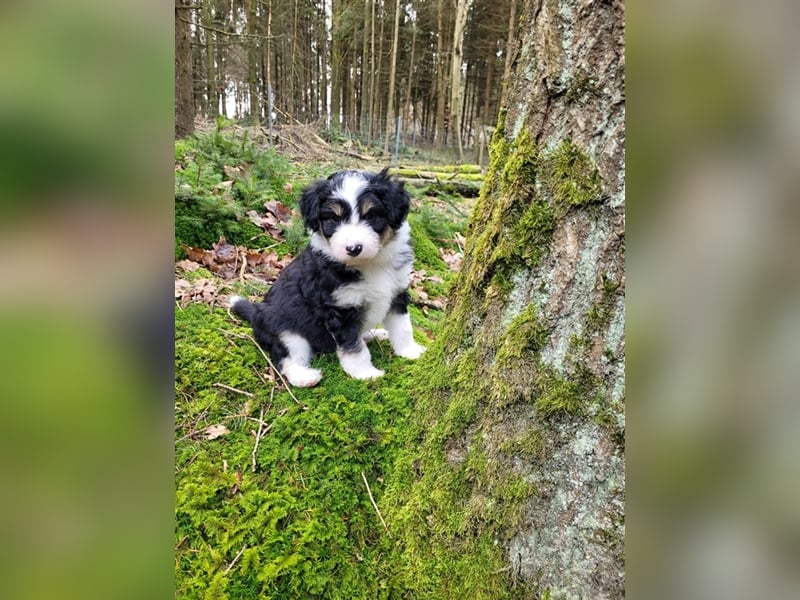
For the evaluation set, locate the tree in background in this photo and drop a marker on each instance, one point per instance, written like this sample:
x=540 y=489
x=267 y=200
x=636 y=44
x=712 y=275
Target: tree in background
x=184 y=96
x=457 y=60
x=328 y=63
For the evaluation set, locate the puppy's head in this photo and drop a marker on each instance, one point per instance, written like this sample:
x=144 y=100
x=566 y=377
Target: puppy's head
x=353 y=214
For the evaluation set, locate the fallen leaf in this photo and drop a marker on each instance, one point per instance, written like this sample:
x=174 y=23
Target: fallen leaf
x=212 y=432
x=187 y=265
x=198 y=255
x=224 y=252
x=451 y=258
x=232 y=172
x=254 y=257
x=278 y=209
x=267 y=221
x=181 y=287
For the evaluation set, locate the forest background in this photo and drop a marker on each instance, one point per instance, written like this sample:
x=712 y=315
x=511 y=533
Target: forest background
x=432 y=72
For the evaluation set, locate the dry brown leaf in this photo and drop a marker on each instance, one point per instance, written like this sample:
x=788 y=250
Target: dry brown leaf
x=212 y=432
x=278 y=209
x=181 y=287
x=198 y=255
x=187 y=265
x=232 y=172
x=224 y=252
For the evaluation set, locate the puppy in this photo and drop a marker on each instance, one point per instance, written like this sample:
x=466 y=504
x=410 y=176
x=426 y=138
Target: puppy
x=353 y=276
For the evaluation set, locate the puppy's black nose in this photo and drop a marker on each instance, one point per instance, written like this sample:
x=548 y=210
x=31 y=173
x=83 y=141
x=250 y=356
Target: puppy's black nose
x=354 y=249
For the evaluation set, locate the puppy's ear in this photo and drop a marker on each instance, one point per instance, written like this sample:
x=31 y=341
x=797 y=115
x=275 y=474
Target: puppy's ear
x=399 y=203
x=311 y=201
x=395 y=195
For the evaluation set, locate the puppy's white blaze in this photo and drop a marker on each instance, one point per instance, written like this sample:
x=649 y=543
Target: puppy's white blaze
x=358 y=364
x=295 y=366
x=401 y=336
x=350 y=188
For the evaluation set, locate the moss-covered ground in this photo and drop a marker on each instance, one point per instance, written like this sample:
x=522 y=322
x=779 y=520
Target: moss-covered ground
x=344 y=490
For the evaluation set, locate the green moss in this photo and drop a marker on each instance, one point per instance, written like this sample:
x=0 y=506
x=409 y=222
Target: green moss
x=560 y=395
x=529 y=445
x=426 y=253
x=581 y=87
x=569 y=177
x=525 y=334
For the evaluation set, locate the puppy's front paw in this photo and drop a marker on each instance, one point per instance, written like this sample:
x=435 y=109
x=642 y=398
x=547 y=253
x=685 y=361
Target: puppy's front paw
x=412 y=350
x=358 y=364
x=370 y=373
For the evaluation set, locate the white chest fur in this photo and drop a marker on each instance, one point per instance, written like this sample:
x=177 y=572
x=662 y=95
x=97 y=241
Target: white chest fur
x=381 y=280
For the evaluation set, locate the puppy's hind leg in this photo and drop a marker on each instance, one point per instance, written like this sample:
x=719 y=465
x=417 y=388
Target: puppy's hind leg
x=295 y=366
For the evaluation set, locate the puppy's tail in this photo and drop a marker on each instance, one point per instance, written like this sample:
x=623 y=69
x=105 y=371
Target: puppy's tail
x=242 y=308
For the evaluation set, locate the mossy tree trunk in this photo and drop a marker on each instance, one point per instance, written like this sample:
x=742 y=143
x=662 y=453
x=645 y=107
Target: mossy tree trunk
x=522 y=422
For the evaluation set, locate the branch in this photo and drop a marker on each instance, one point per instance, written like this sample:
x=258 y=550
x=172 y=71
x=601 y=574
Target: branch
x=235 y=558
x=233 y=389
x=231 y=33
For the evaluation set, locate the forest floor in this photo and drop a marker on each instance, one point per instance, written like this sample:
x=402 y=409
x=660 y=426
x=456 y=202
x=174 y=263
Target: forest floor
x=288 y=493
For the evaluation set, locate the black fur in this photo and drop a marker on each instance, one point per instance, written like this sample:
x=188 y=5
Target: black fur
x=301 y=301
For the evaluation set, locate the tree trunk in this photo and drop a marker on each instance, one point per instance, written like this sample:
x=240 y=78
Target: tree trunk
x=184 y=94
x=509 y=47
x=372 y=75
x=212 y=103
x=364 y=107
x=522 y=425
x=252 y=63
x=441 y=78
x=456 y=90
x=337 y=66
x=392 y=73
x=407 y=110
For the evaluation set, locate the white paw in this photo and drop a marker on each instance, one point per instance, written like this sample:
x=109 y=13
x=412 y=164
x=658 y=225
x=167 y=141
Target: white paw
x=376 y=334
x=372 y=373
x=412 y=350
x=300 y=376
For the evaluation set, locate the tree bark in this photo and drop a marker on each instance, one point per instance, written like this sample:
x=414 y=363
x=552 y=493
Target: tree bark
x=527 y=377
x=184 y=95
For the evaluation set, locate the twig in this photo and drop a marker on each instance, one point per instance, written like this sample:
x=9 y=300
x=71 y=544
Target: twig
x=258 y=439
x=233 y=389
x=380 y=516
x=235 y=558
x=263 y=428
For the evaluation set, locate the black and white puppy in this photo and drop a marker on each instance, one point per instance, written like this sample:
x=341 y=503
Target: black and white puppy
x=353 y=276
